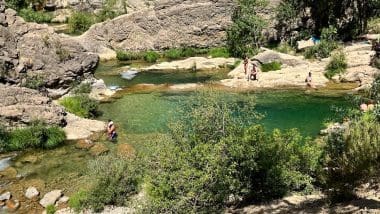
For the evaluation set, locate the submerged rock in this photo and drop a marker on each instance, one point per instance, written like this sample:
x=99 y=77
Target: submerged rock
x=31 y=193
x=98 y=149
x=50 y=198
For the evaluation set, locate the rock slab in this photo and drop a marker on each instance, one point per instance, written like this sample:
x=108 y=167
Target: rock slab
x=50 y=198
x=31 y=193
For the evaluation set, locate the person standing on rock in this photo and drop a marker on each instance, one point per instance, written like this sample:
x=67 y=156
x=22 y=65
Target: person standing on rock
x=111 y=131
x=253 y=74
x=246 y=61
x=309 y=80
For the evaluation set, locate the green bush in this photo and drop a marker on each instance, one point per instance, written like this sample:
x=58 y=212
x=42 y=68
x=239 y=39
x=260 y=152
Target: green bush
x=374 y=25
x=351 y=158
x=4 y=138
x=81 y=105
x=77 y=201
x=337 y=65
x=116 y=180
x=127 y=55
x=219 y=52
x=50 y=209
x=271 y=66
x=35 y=16
x=16 y=4
x=36 y=135
x=83 y=88
x=151 y=56
x=173 y=54
x=284 y=47
x=321 y=50
x=213 y=158
x=80 y=22
x=33 y=82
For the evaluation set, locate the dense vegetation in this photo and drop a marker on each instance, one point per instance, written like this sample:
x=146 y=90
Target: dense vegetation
x=81 y=105
x=337 y=65
x=271 y=66
x=36 y=135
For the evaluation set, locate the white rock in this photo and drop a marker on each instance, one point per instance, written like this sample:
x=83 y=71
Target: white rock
x=31 y=192
x=5 y=196
x=50 y=198
x=63 y=200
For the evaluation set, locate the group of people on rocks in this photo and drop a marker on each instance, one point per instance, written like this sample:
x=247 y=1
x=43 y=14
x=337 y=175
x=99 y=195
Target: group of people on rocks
x=251 y=73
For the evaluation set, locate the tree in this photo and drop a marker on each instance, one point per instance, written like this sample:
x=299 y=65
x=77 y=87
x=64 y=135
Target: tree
x=244 y=37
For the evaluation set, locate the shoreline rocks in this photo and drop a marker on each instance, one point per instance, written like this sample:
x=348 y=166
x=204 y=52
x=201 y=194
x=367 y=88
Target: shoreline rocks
x=50 y=198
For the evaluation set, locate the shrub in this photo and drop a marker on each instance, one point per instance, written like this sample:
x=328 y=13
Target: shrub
x=151 y=56
x=80 y=22
x=219 y=52
x=37 y=135
x=213 y=158
x=127 y=55
x=116 y=180
x=337 y=65
x=33 y=82
x=374 y=25
x=83 y=88
x=284 y=47
x=351 y=158
x=4 y=138
x=321 y=50
x=50 y=209
x=77 y=200
x=35 y=16
x=16 y=4
x=172 y=54
x=81 y=105
x=272 y=66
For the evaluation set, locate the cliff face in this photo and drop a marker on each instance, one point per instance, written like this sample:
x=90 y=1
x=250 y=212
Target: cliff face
x=33 y=52
x=171 y=23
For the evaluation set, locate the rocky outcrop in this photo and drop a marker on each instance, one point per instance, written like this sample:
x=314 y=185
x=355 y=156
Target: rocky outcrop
x=79 y=128
x=32 y=54
x=171 y=23
x=21 y=106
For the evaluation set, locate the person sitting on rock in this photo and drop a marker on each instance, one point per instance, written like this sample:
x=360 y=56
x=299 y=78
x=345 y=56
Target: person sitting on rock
x=253 y=75
x=309 y=80
x=111 y=131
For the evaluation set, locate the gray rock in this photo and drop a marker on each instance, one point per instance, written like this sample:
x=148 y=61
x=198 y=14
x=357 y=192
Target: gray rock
x=50 y=198
x=20 y=106
x=5 y=196
x=63 y=200
x=31 y=192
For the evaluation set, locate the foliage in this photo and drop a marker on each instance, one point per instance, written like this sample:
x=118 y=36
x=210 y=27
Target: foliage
x=116 y=180
x=81 y=105
x=33 y=82
x=16 y=4
x=219 y=52
x=151 y=56
x=374 y=92
x=80 y=22
x=50 y=209
x=284 y=47
x=209 y=162
x=83 y=88
x=173 y=53
x=127 y=55
x=271 y=66
x=244 y=36
x=321 y=50
x=35 y=16
x=37 y=135
x=374 y=25
x=77 y=200
x=4 y=138
x=351 y=157
x=337 y=65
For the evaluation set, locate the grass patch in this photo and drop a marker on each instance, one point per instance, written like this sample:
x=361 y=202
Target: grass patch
x=50 y=209
x=77 y=200
x=81 y=105
x=285 y=48
x=80 y=22
x=33 y=82
x=272 y=66
x=219 y=52
x=30 y=15
x=37 y=135
x=337 y=65
x=128 y=55
x=374 y=25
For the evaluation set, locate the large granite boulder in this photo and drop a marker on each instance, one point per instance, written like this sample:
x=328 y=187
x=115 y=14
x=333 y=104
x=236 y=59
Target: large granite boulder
x=30 y=52
x=21 y=106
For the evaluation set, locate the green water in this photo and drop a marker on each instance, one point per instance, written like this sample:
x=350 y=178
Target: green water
x=151 y=112
x=110 y=73
x=147 y=112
